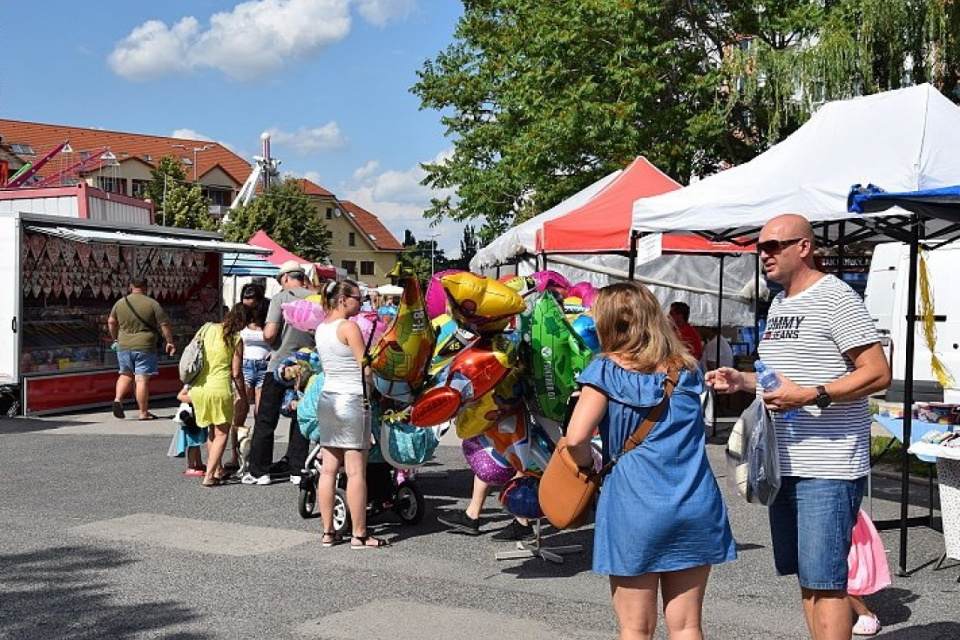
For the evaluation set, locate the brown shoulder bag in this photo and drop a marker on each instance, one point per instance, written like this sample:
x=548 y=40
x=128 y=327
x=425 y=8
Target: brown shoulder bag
x=567 y=491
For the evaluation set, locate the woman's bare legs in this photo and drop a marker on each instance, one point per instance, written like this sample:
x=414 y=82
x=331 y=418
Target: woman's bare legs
x=331 y=461
x=355 y=462
x=221 y=432
x=635 y=603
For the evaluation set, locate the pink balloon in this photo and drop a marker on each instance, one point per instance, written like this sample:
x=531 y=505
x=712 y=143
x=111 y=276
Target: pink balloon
x=589 y=296
x=304 y=315
x=576 y=290
x=436 y=299
x=486 y=463
x=549 y=279
x=368 y=321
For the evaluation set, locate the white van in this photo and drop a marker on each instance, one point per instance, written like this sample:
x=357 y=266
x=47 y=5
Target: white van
x=886 y=300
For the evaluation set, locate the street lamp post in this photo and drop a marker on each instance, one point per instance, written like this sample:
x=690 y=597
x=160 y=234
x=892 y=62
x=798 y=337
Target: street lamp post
x=195 y=150
x=433 y=249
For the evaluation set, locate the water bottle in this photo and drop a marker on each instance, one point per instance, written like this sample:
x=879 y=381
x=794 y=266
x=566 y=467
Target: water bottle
x=767 y=377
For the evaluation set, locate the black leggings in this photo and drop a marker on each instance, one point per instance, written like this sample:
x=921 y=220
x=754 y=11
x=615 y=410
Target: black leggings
x=268 y=415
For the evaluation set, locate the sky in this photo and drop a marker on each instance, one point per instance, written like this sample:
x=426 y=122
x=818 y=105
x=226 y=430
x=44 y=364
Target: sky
x=329 y=79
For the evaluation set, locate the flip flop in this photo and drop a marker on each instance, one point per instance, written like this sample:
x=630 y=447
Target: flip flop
x=118 y=411
x=150 y=416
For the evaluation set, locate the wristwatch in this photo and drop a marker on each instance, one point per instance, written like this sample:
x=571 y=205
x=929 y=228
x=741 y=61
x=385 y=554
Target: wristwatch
x=823 y=398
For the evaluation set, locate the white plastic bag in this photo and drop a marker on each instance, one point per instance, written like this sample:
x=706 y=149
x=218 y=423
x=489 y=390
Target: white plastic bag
x=753 y=462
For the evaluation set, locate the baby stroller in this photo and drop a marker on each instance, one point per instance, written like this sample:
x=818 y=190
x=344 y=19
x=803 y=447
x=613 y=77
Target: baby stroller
x=386 y=489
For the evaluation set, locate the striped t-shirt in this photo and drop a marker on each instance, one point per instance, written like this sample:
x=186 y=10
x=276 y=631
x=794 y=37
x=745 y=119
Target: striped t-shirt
x=805 y=340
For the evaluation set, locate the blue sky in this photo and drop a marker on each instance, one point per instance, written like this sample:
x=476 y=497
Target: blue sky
x=329 y=79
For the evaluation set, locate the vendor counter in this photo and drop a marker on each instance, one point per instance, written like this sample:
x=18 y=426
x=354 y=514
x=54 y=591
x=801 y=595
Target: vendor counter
x=948 y=474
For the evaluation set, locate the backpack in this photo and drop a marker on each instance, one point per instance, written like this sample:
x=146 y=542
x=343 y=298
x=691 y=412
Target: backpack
x=191 y=360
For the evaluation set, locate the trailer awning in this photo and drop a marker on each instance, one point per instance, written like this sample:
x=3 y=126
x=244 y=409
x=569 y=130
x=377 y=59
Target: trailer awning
x=79 y=234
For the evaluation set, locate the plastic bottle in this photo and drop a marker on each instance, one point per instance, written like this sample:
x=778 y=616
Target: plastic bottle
x=767 y=377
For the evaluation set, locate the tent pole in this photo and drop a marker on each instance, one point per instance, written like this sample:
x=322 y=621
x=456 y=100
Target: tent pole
x=908 y=390
x=713 y=405
x=632 y=269
x=756 y=302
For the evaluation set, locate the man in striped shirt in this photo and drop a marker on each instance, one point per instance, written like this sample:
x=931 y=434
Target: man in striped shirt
x=825 y=347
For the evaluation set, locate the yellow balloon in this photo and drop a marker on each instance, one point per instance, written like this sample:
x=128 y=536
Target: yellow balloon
x=491 y=407
x=479 y=303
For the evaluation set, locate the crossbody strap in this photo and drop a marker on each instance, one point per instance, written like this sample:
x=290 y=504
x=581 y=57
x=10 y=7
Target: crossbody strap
x=364 y=363
x=648 y=422
x=142 y=321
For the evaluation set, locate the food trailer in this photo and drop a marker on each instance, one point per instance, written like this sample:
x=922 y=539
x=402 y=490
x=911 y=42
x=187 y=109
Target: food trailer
x=66 y=256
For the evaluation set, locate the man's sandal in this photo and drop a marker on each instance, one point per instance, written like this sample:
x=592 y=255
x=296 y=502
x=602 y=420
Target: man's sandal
x=367 y=542
x=330 y=539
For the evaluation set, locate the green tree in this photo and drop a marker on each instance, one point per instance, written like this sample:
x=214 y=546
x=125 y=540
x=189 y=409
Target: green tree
x=543 y=98
x=187 y=208
x=168 y=173
x=469 y=245
x=288 y=216
x=423 y=255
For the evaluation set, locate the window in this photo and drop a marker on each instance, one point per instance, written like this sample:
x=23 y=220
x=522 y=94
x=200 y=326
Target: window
x=350 y=266
x=329 y=213
x=366 y=268
x=352 y=239
x=23 y=149
x=147 y=157
x=138 y=188
x=217 y=197
x=112 y=185
x=186 y=161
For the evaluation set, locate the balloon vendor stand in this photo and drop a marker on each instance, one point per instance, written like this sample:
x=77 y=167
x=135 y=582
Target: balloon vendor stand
x=534 y=549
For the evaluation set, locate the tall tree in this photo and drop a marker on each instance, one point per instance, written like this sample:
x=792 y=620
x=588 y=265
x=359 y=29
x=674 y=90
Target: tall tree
x=469 y=245
x=543 y=98
x=168 y=173
x=288 y=216
x=187 y=208
x=425 y=258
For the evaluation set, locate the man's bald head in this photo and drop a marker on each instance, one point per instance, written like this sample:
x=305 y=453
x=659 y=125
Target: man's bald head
x=789 y=225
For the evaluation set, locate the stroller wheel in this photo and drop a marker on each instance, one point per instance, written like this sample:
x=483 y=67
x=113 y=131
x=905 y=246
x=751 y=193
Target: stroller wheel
x=307 y=505
x=341 y=514
x=409 y=503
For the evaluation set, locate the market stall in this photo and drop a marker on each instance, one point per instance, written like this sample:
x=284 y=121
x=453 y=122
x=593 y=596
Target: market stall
x=62 y=277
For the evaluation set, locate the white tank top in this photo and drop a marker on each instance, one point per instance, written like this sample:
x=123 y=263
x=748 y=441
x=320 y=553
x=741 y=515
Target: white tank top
x=254 y=346
x=341 y=373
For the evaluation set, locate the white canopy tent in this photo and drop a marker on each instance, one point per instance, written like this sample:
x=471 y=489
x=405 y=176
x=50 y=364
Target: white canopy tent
x=902 y=140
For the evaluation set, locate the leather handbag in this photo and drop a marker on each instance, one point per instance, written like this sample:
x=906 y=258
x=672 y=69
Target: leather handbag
x=567 y=491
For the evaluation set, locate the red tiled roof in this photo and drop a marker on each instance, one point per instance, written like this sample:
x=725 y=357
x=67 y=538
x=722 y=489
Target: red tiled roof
x=313 y=189
x=371 y=225
x=44 y=137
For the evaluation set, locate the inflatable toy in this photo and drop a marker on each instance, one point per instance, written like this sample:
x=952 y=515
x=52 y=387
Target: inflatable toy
x=479 y=304
x=369 y=322
x=554 y=354
x=307 y=408
x=405 y=349
x=586 y=328
x=490 y=408
x=451 y=340
x=524 y=285
x=589 y=296
x=549 y=279
x=403 y=445
x=485 y=462
x=521 y=497
x=541 y=448
x=470 y=374
x=509 y=438
x=305 y=315
x=436 y=299
x=297 y=367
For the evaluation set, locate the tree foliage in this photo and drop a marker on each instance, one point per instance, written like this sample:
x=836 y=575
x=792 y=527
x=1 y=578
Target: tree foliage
x=288 y=216
x=187 y=208
x=541 y=99
x=168 y=173
x=424 y=258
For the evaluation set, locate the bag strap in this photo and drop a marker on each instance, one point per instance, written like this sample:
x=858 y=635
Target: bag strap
x=142 y=321
x=366 y=354
x=649 y=421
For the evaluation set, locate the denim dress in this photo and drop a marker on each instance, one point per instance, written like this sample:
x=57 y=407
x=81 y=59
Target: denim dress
x=660 y=508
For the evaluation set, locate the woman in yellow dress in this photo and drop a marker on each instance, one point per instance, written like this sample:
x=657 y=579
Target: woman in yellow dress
x=212 y=393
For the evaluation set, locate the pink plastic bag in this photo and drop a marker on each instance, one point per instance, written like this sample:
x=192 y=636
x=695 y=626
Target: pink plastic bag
x=867 y=562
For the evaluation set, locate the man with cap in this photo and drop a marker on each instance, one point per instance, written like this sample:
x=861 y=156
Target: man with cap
x=284 y=340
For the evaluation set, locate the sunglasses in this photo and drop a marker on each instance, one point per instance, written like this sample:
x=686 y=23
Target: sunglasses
x=773 y=247
x=357 y=298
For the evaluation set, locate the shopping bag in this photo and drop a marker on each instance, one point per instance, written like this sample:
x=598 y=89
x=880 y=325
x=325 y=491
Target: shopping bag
x=868 y=570
x=753 y=462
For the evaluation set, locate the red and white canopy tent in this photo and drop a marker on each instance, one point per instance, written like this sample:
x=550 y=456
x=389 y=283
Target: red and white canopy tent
x=281 y=255
x=589 y=237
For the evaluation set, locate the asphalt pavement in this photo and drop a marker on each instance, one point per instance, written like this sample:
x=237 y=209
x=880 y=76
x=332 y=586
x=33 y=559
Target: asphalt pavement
x=104 y=537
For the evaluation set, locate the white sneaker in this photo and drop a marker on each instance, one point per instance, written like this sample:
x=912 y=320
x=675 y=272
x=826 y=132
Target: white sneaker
x=248 y=479
x=295 y=480
x=263 y=480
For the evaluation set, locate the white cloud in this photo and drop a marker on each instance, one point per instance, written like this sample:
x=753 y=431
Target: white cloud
x=252 y=40
x=190 y=134
x=399 y=200
x=379 y=12
x=305 y=141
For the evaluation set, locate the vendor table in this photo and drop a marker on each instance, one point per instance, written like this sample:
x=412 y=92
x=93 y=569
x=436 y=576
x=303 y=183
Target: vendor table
x=948 y=475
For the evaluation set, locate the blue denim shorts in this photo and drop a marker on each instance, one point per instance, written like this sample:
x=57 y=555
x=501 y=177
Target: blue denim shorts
x=139 y=363
x=811 y=523
x=254 y=371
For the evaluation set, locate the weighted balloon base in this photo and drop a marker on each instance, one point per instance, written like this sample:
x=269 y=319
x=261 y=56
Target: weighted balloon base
x=534 y=550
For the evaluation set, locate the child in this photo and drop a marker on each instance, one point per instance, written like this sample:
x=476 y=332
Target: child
x=868 y=573
x=190 y=437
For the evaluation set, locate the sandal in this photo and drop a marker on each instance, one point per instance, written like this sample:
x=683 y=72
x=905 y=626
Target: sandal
x=330 y=539
x=866 y=626
x=215 y=483
x=367 y=542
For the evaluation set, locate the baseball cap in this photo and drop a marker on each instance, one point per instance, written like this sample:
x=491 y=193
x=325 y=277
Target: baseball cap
x=290 y=266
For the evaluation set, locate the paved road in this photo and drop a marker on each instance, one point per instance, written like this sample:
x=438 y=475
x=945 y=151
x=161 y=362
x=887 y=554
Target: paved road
x=103 y=537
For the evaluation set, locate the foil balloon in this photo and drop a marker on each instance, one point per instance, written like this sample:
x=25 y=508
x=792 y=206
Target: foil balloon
x=589 y=296
x=480 y=304
x=304 y=315
x=578 y=289
x=524 y=285
x=509 y=438
x=436 y=299
x=470 y=374
x=549 y=279
x=369 y=322
x=307 y=408
x=451 y=340
x=387 y=313
x=492 y=407
x=554 y=354
x=485 y=462
x=404 y=351
x=586 y=328
x=521 y=497
x=541 y=448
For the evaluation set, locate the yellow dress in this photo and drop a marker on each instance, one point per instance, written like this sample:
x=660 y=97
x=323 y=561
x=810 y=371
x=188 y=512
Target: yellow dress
x=212 y=392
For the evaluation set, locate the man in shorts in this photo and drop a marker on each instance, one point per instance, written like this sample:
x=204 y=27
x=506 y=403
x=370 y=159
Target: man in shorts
x=136 y=321
x=825 y=347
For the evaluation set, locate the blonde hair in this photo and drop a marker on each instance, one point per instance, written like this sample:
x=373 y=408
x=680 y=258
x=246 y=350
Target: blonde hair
x=335 y=289
x=632 y=326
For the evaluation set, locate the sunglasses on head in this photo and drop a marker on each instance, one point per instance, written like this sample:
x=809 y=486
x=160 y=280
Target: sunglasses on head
x=773 y=247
